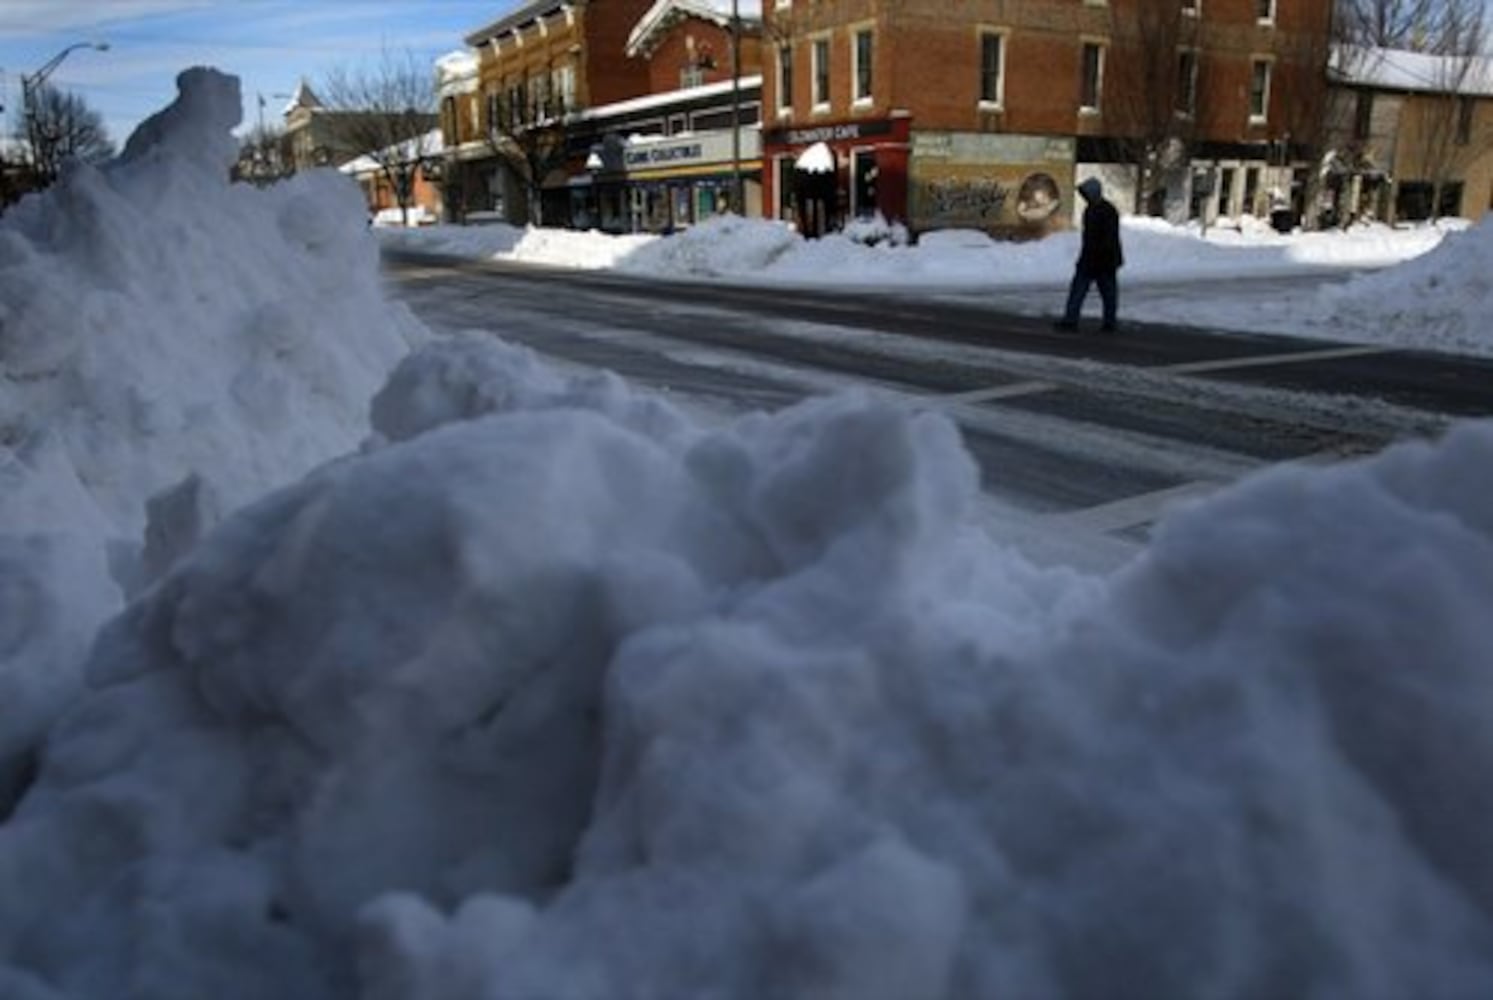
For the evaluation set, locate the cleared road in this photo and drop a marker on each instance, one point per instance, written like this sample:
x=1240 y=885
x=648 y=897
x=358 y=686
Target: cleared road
x=1102 y=432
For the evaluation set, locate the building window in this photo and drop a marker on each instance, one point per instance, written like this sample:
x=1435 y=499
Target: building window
x=863 y=63
x=692 y=76
x=1265 y=11
x=785 y=79
x=494 y=111
x=1092 y=82
x=992 y=69
x=1187 y=82
x=1363 y=115
x=821 y=73
x=562 y=89
x=1259 y=90
x=1191 y=7
x=1464 y=120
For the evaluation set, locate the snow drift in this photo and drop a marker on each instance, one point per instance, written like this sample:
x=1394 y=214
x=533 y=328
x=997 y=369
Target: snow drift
x=163 y=329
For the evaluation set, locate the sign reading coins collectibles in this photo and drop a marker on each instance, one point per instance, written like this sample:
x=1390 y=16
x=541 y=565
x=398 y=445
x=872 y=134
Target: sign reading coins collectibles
x=1010 y=184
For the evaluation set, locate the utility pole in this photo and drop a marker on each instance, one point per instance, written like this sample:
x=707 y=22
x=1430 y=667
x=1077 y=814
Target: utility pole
x=737 y=202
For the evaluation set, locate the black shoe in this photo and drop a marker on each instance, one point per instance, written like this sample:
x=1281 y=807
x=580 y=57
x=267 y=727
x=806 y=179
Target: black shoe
x=1063 y=324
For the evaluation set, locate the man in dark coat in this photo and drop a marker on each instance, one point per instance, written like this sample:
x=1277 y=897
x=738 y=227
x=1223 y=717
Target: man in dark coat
x=1099 y=259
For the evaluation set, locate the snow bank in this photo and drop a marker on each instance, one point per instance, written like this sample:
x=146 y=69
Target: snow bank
x=159 y=326
x=555 y=694
x=1441 y=300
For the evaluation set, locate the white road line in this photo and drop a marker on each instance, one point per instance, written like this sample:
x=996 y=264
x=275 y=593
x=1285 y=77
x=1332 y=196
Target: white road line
x=1008 y=391
x=1262 y=360
x=1133 y=511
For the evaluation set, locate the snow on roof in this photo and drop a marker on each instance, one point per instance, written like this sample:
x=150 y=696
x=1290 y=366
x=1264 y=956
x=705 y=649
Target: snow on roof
x=427 y=145
x=665 y=13
x=666 y=98
x=304 y=97
x=1395 y=69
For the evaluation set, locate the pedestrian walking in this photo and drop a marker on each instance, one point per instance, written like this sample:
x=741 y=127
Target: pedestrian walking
x=1099 y=258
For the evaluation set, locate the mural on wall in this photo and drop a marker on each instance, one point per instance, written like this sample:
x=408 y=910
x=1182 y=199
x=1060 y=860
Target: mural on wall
x=998 y=183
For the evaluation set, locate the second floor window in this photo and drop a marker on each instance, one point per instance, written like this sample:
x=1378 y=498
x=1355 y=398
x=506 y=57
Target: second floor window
x=785 y=78
x=863 y=63
x=821 y=73
x=1464 y=120
x=1091 y=85
x=992 y=69
x=1259 y=90
x=1187 y=82
x=1363 y=115
x=1190 y=7
x=1265 y=11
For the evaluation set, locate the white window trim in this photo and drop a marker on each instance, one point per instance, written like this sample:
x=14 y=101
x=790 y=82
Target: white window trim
x=1270 y=18
x=1196 y=10
x=981 y=33
x=856 y=30
x=817 y=106
x=1269 y=62
x=1092 y=110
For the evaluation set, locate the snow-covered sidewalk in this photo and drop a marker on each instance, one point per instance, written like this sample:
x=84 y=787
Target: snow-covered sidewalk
x=1430 y=287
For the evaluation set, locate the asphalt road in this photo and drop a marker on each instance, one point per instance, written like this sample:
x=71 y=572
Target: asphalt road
x=1099 y=432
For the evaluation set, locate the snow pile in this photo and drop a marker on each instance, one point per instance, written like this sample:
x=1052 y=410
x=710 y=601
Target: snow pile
x=1441 y=300
x=161 y=328
x=525 y=244
x=722 y=245
x=555 y=694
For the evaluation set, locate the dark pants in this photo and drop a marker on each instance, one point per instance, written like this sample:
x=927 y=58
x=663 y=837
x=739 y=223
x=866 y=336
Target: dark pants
x=1109 y=292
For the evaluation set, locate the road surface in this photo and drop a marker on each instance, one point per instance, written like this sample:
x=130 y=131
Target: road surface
x=1083 y=433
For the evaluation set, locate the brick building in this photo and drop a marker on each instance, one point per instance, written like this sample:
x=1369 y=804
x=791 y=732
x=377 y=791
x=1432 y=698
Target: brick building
x=986 y=113
x=615 y=113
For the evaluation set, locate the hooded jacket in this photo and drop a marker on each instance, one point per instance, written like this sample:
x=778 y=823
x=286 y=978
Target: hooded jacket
x=1100 y=252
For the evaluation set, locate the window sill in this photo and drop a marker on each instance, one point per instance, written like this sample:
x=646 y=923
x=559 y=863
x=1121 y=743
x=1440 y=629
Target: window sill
x=1088 y=112
x=991 y=107
x=819 y=109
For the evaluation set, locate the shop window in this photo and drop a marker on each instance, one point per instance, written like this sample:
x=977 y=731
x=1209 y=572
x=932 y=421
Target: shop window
x=864 y=183
x=1464 y=120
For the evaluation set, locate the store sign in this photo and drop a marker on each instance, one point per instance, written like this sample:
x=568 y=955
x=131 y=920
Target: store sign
x=998 y=183
x=657 y=155
x=843 y=132
x=650 y=153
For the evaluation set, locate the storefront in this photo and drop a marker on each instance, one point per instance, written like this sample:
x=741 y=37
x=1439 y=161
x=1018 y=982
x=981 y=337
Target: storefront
x=869 y=167
x=662 y=184
x=1009 y=185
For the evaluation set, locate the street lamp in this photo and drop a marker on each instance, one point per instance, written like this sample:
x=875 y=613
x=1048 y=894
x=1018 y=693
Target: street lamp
x=736 y=192
x=31 y=86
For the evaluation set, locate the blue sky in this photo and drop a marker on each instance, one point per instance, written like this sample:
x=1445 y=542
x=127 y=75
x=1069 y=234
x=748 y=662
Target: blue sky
x=268 y=44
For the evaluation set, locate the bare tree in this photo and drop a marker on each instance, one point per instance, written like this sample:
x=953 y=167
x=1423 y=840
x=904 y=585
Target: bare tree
x=387 y=112
x=60 y=126
x=1438 y=27
x=264 y=156
x=528 y=128
x=1152 y=95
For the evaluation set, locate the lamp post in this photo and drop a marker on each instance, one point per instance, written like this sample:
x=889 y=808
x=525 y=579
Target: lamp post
x=736 y=192
x=31 y=87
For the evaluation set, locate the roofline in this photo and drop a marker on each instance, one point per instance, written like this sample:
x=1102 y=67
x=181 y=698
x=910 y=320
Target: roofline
x=532 y=11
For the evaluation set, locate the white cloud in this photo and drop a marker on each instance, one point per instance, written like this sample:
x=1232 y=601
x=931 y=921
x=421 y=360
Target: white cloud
x=40 y=16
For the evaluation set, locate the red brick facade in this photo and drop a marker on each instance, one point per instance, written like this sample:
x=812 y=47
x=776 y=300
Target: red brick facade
x=1031 y=119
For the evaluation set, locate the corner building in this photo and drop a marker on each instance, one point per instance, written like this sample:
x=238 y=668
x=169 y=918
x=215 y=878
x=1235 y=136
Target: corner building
x=987 y=113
